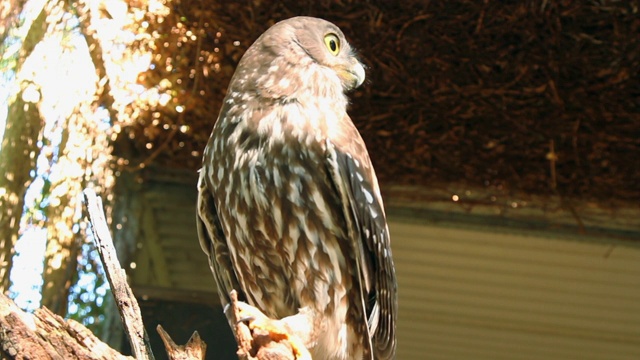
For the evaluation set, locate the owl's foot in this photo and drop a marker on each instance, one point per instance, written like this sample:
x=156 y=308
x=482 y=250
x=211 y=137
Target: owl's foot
x=266 y=331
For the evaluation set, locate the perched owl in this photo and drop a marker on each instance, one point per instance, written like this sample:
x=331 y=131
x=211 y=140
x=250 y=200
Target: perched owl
x=289 y=207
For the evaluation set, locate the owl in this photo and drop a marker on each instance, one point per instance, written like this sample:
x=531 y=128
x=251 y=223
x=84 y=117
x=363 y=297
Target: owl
x=289 y=208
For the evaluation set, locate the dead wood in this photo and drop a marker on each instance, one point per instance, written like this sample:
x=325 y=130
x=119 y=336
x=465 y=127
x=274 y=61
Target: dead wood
x=195 y=348
x=45 y=335
x=125 y=300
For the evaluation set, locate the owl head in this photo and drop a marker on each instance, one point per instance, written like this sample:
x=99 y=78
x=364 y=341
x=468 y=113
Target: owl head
x=297 y=55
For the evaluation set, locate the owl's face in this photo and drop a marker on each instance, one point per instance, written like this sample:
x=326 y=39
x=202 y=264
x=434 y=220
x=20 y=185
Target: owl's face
x=325 y=43
x=300 y=54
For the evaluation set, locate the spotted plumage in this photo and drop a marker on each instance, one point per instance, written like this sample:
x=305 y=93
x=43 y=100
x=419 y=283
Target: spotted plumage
x=289 y=208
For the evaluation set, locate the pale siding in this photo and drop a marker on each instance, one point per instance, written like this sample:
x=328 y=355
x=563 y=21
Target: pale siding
x=468 y=294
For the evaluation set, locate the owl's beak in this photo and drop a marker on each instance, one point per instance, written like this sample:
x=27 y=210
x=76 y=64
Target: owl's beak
x=354 y=75
x=358 y=70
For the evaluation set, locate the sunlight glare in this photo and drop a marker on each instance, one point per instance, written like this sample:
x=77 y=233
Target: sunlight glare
x=26 y=275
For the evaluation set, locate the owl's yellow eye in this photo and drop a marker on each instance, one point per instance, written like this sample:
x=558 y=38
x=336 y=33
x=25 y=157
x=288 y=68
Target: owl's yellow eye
x=333 y=43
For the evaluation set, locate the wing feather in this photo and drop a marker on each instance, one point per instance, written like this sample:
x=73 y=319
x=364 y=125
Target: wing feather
x=354 y=179
x=214 y=243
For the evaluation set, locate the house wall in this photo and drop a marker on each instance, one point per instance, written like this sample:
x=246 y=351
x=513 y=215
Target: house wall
x=482 y=294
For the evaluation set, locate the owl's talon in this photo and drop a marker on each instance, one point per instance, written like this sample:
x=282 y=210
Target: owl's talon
x=246 y=319
x=252 y=316
x=275 y=330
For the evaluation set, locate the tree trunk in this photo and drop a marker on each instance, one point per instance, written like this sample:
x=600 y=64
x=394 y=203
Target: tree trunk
x=63 y=244
x=60 y=262
x=86 y=19
x=60 y=267
x=18 y=157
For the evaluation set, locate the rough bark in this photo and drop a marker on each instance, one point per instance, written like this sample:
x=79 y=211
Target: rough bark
x=45 y=335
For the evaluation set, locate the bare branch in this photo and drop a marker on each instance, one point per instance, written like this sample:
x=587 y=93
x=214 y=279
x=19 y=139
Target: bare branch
x=125 y=300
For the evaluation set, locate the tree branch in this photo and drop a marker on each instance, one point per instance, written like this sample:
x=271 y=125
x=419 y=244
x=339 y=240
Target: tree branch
x=125 y=300
x=45 y=335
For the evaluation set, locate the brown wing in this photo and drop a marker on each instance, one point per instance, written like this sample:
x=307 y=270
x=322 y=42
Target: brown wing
x=214 y=243
x=354 y=179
